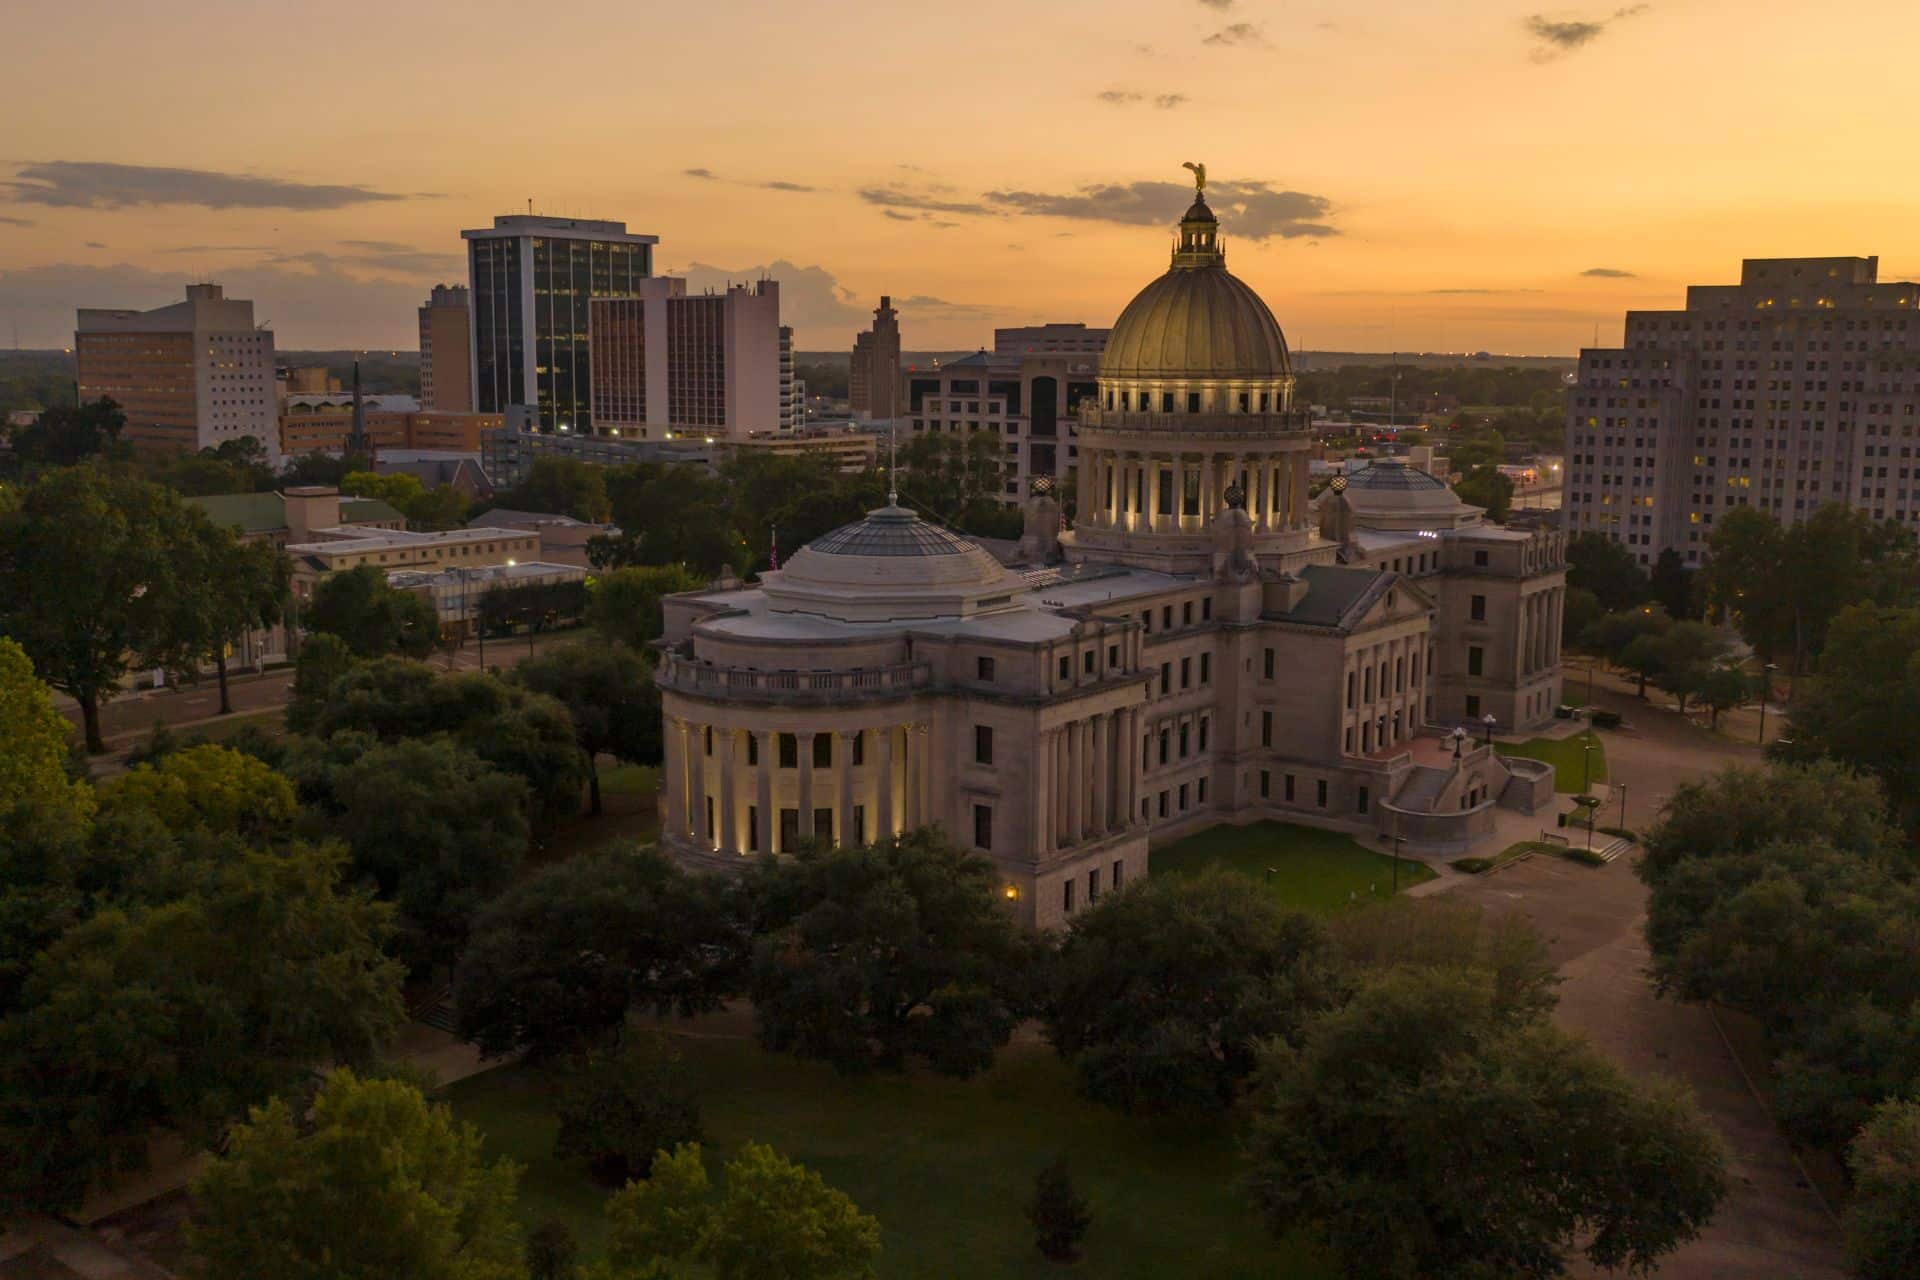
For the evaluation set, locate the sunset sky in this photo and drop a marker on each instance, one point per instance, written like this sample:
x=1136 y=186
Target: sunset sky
x=1431 y=176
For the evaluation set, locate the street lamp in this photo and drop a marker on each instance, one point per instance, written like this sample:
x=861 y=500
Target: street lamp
x=1766 y=687
x=1586 y=763
x=1489 y=721
x=1459 y=736
x=1623 y=807
x=1590 y=665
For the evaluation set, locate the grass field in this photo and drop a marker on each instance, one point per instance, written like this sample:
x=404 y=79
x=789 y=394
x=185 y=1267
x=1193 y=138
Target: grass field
x=1564 y=755
x=1305 y=867
x=946 y=1166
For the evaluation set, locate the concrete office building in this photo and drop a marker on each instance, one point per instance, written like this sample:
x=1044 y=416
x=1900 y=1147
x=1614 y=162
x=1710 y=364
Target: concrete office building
x=1192 y=652
x=1028 y=397
x=873 y=376
x=531 y=279
x=1797 y=387
x=669 y=363
x=1049 y=339
x=189 y=376
x=446 y=351
x=793 y=392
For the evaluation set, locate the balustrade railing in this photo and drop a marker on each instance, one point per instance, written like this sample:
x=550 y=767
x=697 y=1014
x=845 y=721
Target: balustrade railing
x=687 y=675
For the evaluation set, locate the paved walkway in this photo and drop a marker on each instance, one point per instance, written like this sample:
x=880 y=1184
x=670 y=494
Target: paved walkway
x=1772 y=1224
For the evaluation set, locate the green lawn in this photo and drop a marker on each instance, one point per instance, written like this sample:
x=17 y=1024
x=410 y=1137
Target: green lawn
x=1564 y=755
x=1479 y=866
x=946 y=1166
x=1305 y=867
x=640 y=780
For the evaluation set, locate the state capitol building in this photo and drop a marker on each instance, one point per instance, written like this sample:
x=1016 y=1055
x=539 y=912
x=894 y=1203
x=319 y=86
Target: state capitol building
x=1204 y=645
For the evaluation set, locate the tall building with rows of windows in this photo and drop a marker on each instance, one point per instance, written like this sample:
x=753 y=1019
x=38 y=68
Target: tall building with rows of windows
x=1026 y=395
x=671 y=363
x=1797 y=387
x=189 y=376
x=530 y=283
x=1195 y=650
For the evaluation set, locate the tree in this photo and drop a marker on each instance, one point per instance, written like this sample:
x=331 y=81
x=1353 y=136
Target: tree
x=960 y=481
x=1058 y=1212
x=1160 y=995
x=563 y=487
x=518 y=732
x=93 y=566
x=1723 y=688
x=610 y=697
x=324 y=468
x=1883 y=1218
x=1742 y=579
x=204 y=790
x=371 y=616
x=436 y=830
x=33 y=773
x=1579 y=610
x=776 y=1220
x=1682 y=659
x=441 y=507
x=1441 y=933
x=1672 y=585
x=1862 y=707
x=1740 y=811
x=672 y=515
x=183 y=1014
x=625 y=604
x=1419 y=1133
x=869 y=955
x=323 y=659
x=1615 y=633
x=557 y=963
x=1605 y=567
x=1484 y=486
x=69 y=435
x=376 y=1183
x=619 y=1109
x=245 y=587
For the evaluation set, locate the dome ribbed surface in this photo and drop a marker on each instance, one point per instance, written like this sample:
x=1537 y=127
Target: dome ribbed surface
x=891 y=531
x=1196 y=322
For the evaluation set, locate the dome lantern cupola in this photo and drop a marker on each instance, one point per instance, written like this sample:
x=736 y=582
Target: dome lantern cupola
x=1199 y=244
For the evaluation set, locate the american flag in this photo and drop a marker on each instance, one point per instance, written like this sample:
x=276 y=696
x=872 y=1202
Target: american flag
x=773 y=556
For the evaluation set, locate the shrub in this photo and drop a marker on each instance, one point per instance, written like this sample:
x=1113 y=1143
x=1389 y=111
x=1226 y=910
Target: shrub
x=1058 y=1212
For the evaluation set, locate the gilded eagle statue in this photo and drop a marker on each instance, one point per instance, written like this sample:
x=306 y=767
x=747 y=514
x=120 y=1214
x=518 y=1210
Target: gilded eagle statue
x=1199 y=176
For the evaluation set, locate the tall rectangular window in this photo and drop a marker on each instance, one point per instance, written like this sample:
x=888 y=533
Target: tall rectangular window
x=1066 y=895
x=1478 y=608
x=789 y=751
x=983 y=744
x=823 y=751
x=1476 y=659
x=1186 y=673
x=1322 y=796
x=983 y=669
x=1206 y=667
x=1288 y=794
x=982 y=826
x=1266 y=784
x=1266 y=728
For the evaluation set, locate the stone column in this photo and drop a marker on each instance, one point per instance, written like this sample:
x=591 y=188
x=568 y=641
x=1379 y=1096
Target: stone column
x=1297 y=489
x=1559 y=622
x=1077 y=784
x=1062 y=789
x=846 y=738
x=1083 y=486
x=1130 y=744
x=729 y=743
x=697 y=777
x=766 y=825
x=678 y=776
x=1042 y=817
x=805 y=761
x=1180 y=465
x=883 y=792
x=910 y=746
x=1102 y=800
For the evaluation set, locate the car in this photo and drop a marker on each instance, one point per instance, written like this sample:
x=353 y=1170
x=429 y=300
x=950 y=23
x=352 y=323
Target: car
x=1605 y=719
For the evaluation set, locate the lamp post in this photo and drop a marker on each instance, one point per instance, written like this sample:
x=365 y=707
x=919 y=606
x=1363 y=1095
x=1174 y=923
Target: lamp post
x=1459 y=736
x=1489 y=721
x=1398 y=840
x=1586 y=764
x=1766 y=687
x=1623 y=806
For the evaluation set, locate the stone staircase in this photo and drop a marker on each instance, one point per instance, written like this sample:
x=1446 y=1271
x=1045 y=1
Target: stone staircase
x=439 y=1015
x=1422 y=788
x=1614 y=848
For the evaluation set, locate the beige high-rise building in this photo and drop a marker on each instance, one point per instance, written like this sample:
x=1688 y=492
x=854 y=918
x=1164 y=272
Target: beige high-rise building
x=1797 y=387
x=188 y=376
x=1027 y=392
x=672 y=363
x=446 y=351
x=1195 y=650
x=873 y=376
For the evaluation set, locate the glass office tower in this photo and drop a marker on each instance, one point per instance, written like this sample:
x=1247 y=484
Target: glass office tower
x=531 y=279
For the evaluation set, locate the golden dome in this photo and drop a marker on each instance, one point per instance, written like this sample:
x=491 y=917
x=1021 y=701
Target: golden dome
x=1198 y=321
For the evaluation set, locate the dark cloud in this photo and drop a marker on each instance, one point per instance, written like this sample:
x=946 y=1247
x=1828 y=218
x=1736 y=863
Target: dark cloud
x=708 y=174
x=1250 y=210
x=15 y=222
x=810 y=297
x=1134 y=97
x=929 y=200
x=1239 y=33
x=778 y=185
x=1559 y=37
x=1609 y=273
x=218 y=248
x=1221 y=5
x=314 y=307
x=898 y=216
x=73 y=184
x=1478 y=293
x=925 y=303
x=383 y=256
x=95 y=244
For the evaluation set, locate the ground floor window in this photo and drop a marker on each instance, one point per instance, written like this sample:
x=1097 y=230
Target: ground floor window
x=1119 y=873
x=1323 y=793
x=1473 y=705
x=1360 y=801
x=1266 y=784
x=1066 y=895
x=983 y=826
x=753 y=828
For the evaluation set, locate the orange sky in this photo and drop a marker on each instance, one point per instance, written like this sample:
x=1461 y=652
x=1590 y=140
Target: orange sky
x=1428 y=175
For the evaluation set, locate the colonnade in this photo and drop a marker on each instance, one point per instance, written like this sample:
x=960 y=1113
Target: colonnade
x=1126 y=488
x=1085 y=779
x=1386 y=685
x=1539 y=630
x=728 y=797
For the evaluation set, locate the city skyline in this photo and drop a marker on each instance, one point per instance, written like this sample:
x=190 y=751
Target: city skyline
x=1490 y=177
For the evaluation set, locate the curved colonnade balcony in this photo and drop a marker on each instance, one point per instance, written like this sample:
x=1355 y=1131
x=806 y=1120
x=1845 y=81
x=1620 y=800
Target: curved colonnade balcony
x=698 y=679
